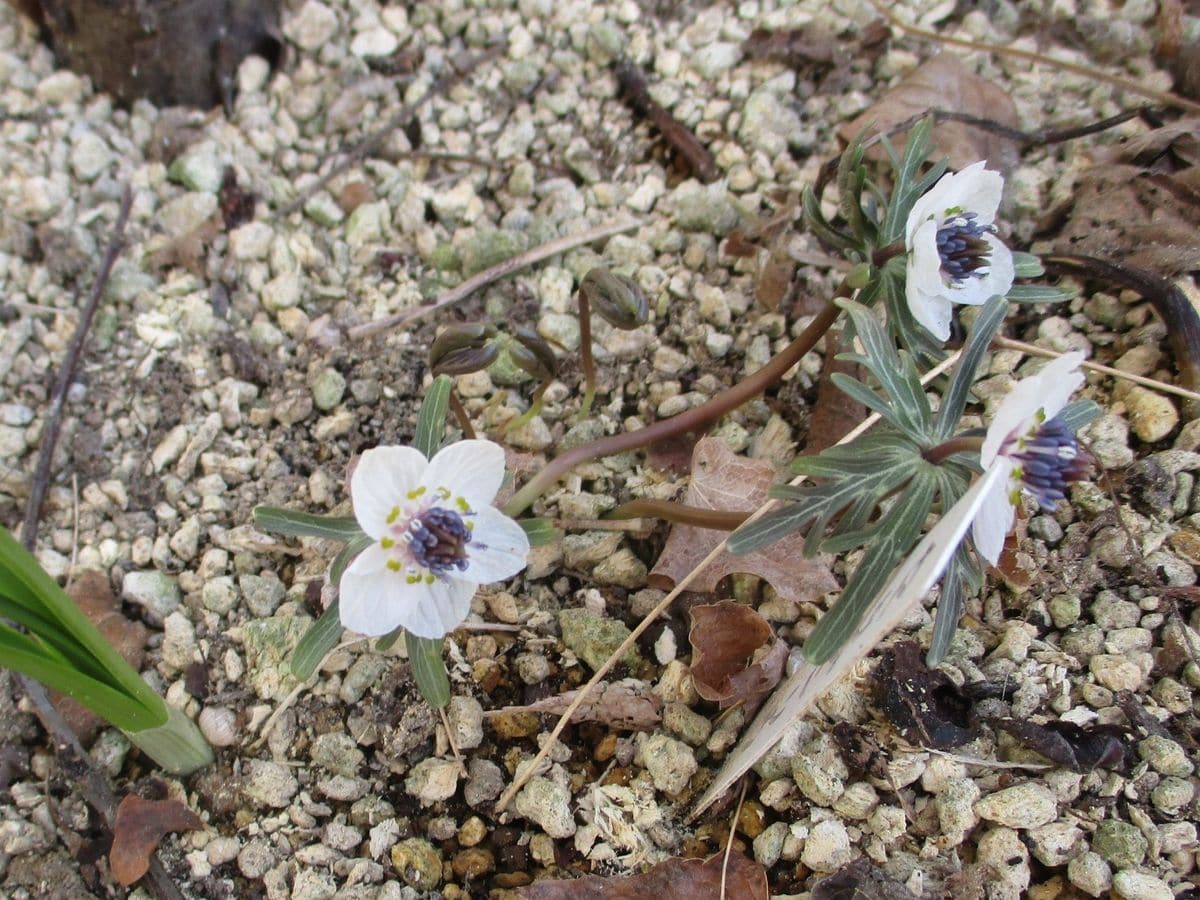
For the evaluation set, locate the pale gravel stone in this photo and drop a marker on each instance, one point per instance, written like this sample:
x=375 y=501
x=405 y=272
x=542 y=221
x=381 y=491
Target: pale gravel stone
x=1021 y=806
x=1141 y=886
x=219 y=726
x=548 y=805
x=269 y=784
x=432 y=780
x=670 y=763
x=312 y=26
x=828 y=847
x=1090 y=873
x=1002 y=850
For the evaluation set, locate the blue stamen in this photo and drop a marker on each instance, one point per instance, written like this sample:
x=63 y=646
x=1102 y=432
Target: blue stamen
x=962 y=247
x=437 y=540
x=1050 y=459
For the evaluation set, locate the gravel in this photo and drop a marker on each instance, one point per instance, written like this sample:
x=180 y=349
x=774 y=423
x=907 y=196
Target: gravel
x=206 y=391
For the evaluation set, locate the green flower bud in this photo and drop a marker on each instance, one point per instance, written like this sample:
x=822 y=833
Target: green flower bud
x=615 y=297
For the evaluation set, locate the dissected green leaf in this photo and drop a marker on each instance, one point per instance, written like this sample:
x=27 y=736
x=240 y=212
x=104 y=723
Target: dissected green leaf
x=540 y=531
x=321 y=637
x=429 y=672
x=293 y=523
x=431 y=420
x=954 y=400
x=1026 y=265
x=1080 y=413
x=900 y=527
x=861 y=473
x=909 y=183
x=342 y=561
x=1039 y=293
x=905 y=405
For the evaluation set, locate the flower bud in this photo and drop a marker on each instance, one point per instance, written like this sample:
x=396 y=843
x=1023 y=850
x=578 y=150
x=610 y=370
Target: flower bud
x=529 y=351
x=615 y=297
x=460 y=349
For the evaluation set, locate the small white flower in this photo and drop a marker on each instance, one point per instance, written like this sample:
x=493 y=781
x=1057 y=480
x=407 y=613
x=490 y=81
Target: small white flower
x=1034 y=449
x=437 y=537
x=954 y=255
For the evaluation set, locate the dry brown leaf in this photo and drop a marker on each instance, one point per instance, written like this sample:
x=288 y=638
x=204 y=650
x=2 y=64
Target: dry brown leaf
x=1140 y=204
x=836 y=413
x=945 y=83
x=625 y=705
x=138 y=829
x=672 y=879
x=94 y=597
x=724 y=481
x=736 y=657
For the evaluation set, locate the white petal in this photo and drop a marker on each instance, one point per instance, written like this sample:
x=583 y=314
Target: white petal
x=974 y=189
x=925 y=262
x=995 y=517
x=979 y=190
x=439 y=608
x=1000 y=271
x=469 y=469
x=381 y=481
x=932 y=311
x=498 y=549
x=1049 y=391
x=376 y=601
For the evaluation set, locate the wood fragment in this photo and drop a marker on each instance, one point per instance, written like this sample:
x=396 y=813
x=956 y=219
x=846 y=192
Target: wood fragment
x=487 y=276
x=694 y=155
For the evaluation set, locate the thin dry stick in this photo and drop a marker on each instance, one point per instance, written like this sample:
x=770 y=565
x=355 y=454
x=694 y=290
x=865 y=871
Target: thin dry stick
x=402 y=116
x=1153 y=384
x=487 y=276
x=58 y=395
x=662 y=606
x=737 y=812
x=74 y=760
x=1164 y=97
x=462 y=766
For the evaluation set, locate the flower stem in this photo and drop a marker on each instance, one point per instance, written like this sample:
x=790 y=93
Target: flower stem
x=460 y=413
x=693 y=419
x=946 y=449
x=585 y=355
x=715 y=519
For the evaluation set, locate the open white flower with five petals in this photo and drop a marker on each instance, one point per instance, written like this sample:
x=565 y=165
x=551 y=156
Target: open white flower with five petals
x=954 y=255
x=436 y=538
x=1034 y=447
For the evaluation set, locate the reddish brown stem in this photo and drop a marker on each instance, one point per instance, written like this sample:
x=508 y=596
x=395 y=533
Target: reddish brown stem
x=692 y=420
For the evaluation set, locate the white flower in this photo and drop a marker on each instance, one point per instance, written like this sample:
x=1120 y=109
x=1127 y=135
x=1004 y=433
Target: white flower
x=954 y=255
x=437 y=537
x=1035 y=450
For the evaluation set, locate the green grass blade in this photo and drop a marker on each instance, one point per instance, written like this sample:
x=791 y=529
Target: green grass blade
x=40 y=593
x=23 y=653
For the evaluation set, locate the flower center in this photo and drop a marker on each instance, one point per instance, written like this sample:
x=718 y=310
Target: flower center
x=962 y=247
x=1050 y=459
x=428 y=541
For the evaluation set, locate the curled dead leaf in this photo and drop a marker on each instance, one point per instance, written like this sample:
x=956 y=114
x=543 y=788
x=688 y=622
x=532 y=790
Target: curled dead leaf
x=722 y=480
x=692 y=879
x=945 y=83
x=736 y=657
x=93 y=595
x=139 y=827
x=923 y=704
